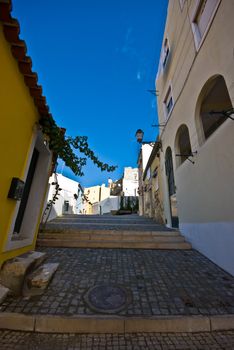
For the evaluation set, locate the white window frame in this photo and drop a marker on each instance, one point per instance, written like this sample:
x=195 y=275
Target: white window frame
x=165 y=102
x=198 y=39
x=165 y=54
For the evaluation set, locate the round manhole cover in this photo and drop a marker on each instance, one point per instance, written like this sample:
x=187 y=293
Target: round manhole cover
x=108 y=298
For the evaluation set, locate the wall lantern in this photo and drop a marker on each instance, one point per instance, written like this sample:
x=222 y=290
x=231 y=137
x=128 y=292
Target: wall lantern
x=139 y=135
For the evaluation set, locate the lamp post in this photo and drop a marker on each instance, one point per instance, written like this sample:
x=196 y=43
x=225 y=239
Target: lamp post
x=139 y=135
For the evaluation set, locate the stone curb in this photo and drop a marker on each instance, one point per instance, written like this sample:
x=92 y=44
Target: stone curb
x=111 y=324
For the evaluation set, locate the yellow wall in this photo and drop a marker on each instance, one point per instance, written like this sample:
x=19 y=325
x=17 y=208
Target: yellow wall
x=18 y=116
x=204 y=190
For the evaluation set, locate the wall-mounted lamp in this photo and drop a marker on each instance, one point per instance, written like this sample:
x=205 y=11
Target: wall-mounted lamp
x=188 y=156
x=224 y=114
x=139 y=135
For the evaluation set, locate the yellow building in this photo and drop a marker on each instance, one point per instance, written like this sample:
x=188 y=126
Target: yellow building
x=195 y=84
x=25 y=156
x=152 y=186
x=94 y=195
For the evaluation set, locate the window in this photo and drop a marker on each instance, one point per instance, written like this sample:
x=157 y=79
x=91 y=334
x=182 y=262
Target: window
x=168 y=103
x=202 y=16
x=216 y=98
x=183 y=145
x=165 y=53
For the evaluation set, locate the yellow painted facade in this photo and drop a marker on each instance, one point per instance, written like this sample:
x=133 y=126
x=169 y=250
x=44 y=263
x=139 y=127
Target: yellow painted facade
x=18 y=117
x=195 y=77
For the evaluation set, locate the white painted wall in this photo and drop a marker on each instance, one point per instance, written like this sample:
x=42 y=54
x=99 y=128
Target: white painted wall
x=69 y=188
x=106 y=205
x=130 y=182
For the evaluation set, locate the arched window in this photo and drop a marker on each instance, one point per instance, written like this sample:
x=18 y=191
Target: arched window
x=216 y=99
x=182 y=144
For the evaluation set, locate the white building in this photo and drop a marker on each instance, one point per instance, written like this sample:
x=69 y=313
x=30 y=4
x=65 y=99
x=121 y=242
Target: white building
x=69 y=198
x=130 y=182
x=145 y=152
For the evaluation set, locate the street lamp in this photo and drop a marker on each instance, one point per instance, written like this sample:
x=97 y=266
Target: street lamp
x=139 y=135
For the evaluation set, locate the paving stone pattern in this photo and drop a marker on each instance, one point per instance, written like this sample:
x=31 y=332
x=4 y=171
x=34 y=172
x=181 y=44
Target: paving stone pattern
x=161 y=283
x=10 y=340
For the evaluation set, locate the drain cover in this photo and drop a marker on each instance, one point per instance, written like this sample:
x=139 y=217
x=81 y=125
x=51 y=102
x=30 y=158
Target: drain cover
x=107 y=298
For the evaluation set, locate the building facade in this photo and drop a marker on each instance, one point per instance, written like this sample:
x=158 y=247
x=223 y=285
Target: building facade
x=69 y=197
x=25 y=156
x=130 y=182
x=152 y=186
x=195 y=83
x=143 y=157
x=94 y=195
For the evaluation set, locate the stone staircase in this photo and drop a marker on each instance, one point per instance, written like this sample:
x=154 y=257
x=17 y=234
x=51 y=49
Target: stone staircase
x=109 y=232
x=26 y=275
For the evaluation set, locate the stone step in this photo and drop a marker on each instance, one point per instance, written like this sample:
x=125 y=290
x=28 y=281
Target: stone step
x=13 y=271
x=3 y=293
x=101 y=221
x=96 y=224
x=115 y=238
x=75 y=232
x=36 y=282
x=111 y=244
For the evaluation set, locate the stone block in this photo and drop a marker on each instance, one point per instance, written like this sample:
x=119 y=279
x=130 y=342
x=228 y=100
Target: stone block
x=37 y=281
x=222 y=322
x=168 y=324
x=61 y=324
x=13 y=271
x=15 y=321
x=3 y=293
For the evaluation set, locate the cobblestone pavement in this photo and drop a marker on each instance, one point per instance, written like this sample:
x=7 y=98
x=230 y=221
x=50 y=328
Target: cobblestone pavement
x=105 y=222
x=161 y=283
x=10 y=340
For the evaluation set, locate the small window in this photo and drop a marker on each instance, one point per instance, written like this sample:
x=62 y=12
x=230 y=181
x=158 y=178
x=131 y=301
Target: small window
x=183 y=145
x=165 y=53
x=202 y=17
x=168 y=103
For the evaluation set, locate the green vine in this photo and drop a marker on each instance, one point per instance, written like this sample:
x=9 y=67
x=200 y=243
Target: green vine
x=64 y=147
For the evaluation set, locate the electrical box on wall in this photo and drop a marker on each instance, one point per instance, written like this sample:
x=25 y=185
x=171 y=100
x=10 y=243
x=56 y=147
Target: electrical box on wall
x=16 y=190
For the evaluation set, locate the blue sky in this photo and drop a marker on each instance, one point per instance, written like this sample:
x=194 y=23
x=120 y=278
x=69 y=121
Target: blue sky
x=95 y=61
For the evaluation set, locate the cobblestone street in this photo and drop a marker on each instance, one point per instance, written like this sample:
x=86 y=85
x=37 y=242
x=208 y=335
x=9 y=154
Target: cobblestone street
x=160 y=282
x=10 y=340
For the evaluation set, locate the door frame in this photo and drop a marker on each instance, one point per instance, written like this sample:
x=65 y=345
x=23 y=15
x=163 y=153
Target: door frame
x=36 y=196
x=171 y=188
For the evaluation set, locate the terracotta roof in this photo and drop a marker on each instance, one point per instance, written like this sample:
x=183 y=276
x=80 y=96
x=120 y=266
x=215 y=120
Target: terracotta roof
x=11 y=29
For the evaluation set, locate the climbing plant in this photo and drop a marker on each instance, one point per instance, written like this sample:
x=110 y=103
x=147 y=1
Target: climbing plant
x=64 y=147
x=52 y=201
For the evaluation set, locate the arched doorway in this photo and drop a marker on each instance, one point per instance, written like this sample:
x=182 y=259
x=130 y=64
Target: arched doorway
x=171 y=188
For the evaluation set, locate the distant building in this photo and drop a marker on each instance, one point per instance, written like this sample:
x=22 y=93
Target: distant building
x=94 y=195
x=144 y=154
x=130 y=182
x=116 y=187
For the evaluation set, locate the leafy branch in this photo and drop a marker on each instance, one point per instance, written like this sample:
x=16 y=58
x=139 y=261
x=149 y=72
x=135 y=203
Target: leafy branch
x=64 y=147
